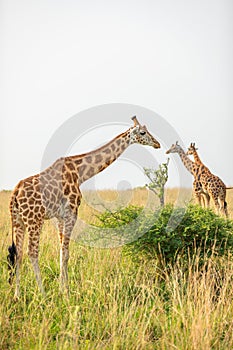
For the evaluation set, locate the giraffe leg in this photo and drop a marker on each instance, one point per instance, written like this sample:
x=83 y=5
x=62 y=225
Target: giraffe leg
x=61 y=238
x=18 y=231
x=66 y=227
x=33 y=252
x=216 y=203
x=198 y=199
x=207 y=200
x=202 y=199
x=197 y=196
x=64 y=258
x=197 y=189
x=60 y=230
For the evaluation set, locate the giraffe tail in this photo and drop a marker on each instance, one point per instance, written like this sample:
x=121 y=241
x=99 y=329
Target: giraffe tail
x=11 y=257
x=225 y=209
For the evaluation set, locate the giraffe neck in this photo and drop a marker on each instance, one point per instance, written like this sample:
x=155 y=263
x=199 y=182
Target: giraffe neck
x=196 y=157
x=91 y=163
x=190 y=165
x=199 y=163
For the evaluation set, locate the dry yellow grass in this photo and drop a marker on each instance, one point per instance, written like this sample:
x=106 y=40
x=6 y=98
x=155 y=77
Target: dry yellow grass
x=95 y=202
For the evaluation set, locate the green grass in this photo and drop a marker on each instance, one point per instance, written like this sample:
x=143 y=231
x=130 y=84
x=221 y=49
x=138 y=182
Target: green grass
x=115 y=303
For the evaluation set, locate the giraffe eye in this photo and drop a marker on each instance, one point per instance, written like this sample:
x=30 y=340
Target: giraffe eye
x=142 y=132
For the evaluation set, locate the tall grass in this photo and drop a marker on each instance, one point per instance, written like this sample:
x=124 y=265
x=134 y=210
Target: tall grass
x=113 y=303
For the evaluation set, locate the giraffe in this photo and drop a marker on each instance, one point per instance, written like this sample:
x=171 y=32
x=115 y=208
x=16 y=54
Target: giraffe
x=193 y=168
x=55 y=193
x=212 y=185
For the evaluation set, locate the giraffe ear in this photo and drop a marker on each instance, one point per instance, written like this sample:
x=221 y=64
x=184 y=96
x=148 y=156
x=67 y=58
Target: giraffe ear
x=136 y=122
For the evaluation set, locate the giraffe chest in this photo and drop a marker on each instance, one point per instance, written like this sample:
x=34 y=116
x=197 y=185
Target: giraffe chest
x=51 y=202
x=61 y=202
x=60 y=194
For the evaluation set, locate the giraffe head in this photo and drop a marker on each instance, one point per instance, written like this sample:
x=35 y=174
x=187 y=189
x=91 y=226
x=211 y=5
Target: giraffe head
x=175 y=148
x=191 y=149
x=139 y=134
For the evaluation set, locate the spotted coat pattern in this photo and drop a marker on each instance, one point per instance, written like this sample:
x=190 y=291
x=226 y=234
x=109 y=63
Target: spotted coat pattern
x=55 y=193
x=212 y=185
x=205 y=182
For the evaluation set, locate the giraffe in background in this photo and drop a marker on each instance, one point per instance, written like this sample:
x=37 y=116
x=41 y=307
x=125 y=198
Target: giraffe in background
x=204 y=195
x=193 y=168
x=55 y=193
x=212 y=185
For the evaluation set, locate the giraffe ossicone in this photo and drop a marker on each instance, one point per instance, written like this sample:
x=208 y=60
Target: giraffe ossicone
x=55 y=193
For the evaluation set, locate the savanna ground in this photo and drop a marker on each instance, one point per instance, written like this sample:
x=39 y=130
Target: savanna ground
x=115 y=303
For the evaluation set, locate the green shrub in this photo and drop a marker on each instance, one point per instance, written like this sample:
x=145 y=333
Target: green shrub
x=120 y=217
x=174 y=231
x=114 y=228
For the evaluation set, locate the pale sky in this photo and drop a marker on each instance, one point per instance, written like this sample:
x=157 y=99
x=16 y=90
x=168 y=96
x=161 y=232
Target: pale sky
x=59 y=58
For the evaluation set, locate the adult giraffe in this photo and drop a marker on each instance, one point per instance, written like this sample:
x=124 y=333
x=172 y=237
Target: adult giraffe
x=55 y=193
x=206 y=182
x=193 y=168
x=212 y=185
